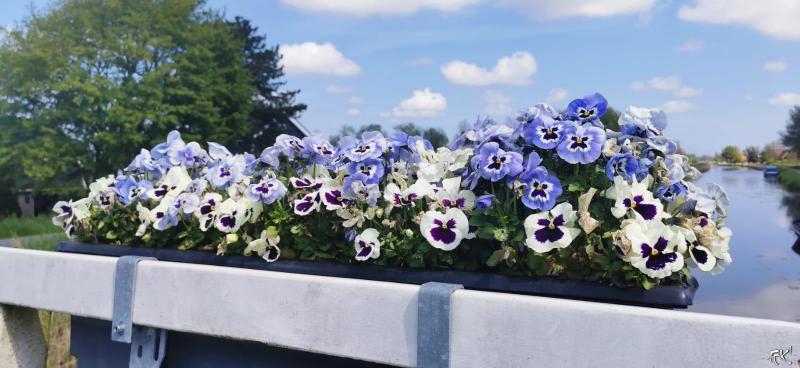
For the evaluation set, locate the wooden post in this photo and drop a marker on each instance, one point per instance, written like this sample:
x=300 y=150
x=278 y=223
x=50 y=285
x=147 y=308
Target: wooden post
x=22 y=343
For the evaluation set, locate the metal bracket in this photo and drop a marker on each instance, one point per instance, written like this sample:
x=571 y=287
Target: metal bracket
x=147 y=343
x=433 y=324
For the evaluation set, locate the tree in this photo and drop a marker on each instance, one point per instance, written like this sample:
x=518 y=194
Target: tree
x=611 y=119
x=85 y=85
x=732 y=154
x=436 y=136
x=408 y=128
x=771 y=152
x=791 y=137
x=753 y=154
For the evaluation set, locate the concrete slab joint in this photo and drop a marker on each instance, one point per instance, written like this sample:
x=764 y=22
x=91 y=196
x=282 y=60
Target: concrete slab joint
x=433 y=324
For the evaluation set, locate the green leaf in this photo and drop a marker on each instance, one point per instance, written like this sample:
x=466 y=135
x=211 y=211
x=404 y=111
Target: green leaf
x=496 y=257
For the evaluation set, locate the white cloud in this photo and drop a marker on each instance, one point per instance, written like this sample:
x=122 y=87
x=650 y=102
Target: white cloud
x=338 y=89
x=516 y=69
x=420 y=61
x=550 y=9
x=776 y=18
x=422 y=103
x=777 y=66
x=556 y=95
x=676 y=106
x=497 y=103
x=690 y=46
x=355 y=100
x=670 y=84
x=353 y=112
x=314 y=58
x=785 y=99
x=379 y=7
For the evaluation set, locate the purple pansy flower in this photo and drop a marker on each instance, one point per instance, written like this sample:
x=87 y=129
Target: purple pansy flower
x=308 y=203
x=634 y=198
x=583 y=144
x=495 y=163
x=333 y=198
x=542 y=190
x=545 y=132
x=654 y=252
x=318 y=149
x=484 y=202
x=371 y=145
x=552 y=229
x=268 y=190
x=588 y=109
x=129 y=190
x=623 y=164
x=444 y=230
x=367 y=245
x=371 y=168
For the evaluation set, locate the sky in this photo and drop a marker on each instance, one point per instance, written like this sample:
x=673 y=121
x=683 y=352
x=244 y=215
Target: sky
x=725 y=71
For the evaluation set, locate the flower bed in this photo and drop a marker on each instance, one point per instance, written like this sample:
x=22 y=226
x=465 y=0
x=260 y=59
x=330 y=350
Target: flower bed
x=549 y=194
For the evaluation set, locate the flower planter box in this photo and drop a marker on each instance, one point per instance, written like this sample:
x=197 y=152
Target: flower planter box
x=669 y=297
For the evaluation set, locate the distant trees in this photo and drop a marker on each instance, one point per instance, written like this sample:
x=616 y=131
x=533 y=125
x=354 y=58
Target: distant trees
x=436 y=136
x=611 y=119
x=752 y=154
x=791 y=136
x=732 y=154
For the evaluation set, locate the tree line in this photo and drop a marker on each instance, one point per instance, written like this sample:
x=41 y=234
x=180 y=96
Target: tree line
x=787 y=148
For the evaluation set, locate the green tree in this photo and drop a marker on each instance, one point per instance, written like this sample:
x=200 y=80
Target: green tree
x=436 y=136
x=791 y=136
x=732 y=154
x=88 y=83
x=408 y=128
x=611 y=119
x=753 y=154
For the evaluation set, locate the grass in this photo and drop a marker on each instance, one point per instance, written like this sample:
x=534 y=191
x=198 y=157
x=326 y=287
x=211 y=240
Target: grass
x=15 y=227
x=789 y=178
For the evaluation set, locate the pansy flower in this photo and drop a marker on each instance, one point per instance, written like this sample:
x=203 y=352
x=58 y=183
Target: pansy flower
x=226 y=172
x=642 y=122
x=588 y=109
x=622 y=164
x=187 y=203
x=653 y=248
x=266 y=245
x=268 y=190
x=308 y=203
x=145 y=163
x=545 y=132
x=495 y=163
x=197 y=186
x=130 y=190
x=542 y=190
x=318 y=149
x=699 y=255
x=444 y=230
x=67 y=212
x=172 y=184
x=582 y=144
x=451 y=195
x=367 y=245
x=551 y=229
x=371 y=145
x=173 y=143
x=371 y=168
x=634 y=198
x=165 y=215
x=145 y=219
x=207 y=211
x=396 y=197
x=334 y=198
x=230 y=216
x=270 y=157
x=289 y=145
x=190 y=155
x=484 y=202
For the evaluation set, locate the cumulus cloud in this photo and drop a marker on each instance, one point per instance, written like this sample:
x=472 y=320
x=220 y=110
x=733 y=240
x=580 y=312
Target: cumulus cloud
x=516 y=69
x=353 y=112
x=690 y=46
x=676 y=106
x=355 y=100
x=422 y=103
x=777 y=18
x=549 y=9
x=556 y=95
x=777 y=66
x=379 y=7
x=497 y=103
x=315 y=58
x=337 y=89
x=670 y=84
x=785 y=99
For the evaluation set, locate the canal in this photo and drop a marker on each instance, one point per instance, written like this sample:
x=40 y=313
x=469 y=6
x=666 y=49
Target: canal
x=764 y=279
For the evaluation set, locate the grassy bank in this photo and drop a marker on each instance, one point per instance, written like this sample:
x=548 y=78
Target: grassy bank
x=789 y=178
x=15 y=227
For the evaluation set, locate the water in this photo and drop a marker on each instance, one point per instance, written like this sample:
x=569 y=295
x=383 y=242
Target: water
x=764 y=279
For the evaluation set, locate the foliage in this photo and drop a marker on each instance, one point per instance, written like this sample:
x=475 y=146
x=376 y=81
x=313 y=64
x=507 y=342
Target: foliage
x=611 y=119
x=546 y=195
x=752 y=154
x=732 y=154
x=789 y=178
x=791 y=136
x=88 y=82
x=13 y=226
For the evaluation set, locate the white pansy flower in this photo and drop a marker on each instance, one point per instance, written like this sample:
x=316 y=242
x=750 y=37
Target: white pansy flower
x=552 y=229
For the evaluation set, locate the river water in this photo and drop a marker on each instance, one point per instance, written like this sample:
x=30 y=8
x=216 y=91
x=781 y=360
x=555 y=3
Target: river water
x=764 y=279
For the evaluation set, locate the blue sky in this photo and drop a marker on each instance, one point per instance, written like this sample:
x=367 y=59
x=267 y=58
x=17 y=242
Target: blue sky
x=725 y=70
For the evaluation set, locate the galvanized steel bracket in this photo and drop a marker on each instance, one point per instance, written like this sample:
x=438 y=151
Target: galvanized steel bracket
x=147 y=343
x=433 y=324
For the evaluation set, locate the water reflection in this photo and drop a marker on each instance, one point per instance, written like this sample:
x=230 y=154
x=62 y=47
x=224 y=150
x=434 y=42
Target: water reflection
x=764 y=279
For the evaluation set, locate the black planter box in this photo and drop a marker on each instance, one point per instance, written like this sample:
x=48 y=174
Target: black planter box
x=668 y=297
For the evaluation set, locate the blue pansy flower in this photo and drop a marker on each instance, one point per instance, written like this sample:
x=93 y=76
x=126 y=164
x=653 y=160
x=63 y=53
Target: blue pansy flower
x=268 y=190
x=371 y=145
x=588 y=109
x=270 y=157
x=582 y=144
x=542 y=190
x=145 y=163
x=624 y=164
x=495 y=163
x=318 y=149
x=289 y=145
x=190 y=155
x=403 y=147
x=373 y=169
x=224 y=173
x=545 y=132
x=532 y=162
x=484 y=130
x=672 y=191
x=129 y=190
x=484 y=202
x=173 y=143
